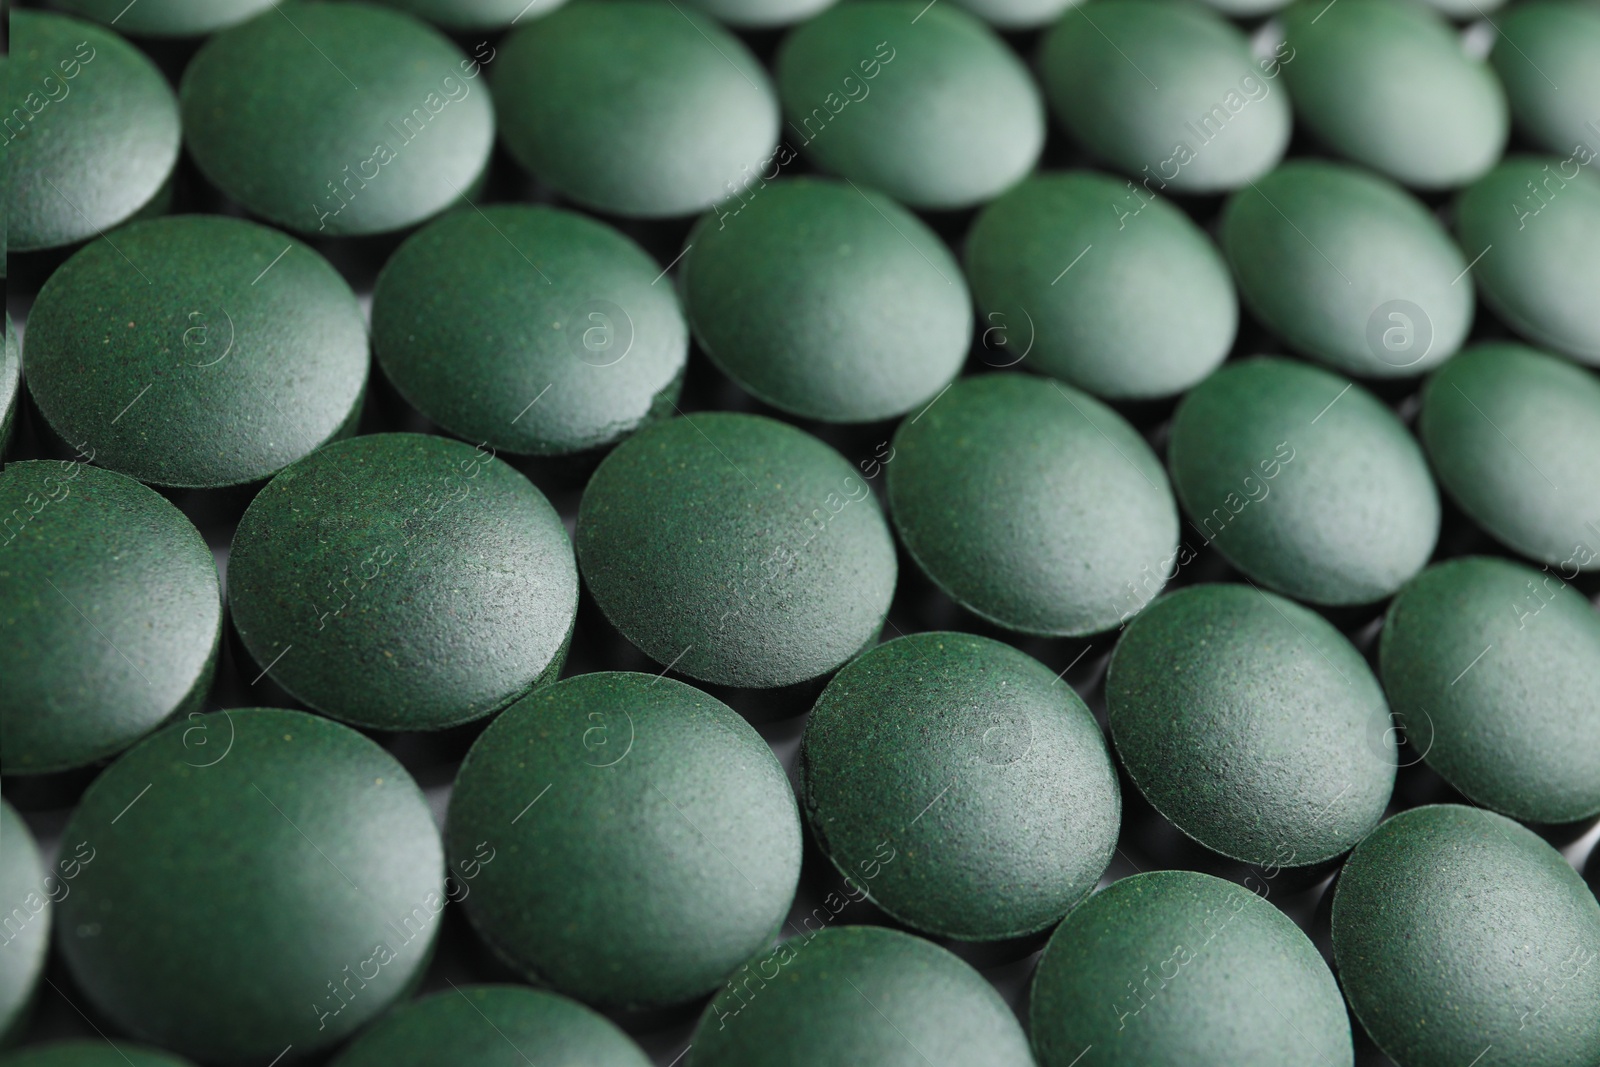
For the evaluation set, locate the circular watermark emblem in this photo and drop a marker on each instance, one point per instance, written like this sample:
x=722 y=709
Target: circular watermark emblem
x=207 y=337
x=606 y=741
x=1003 y=736
x=1399 y=333
x=600 y=333
x=1007 y=338
x=1402 y=739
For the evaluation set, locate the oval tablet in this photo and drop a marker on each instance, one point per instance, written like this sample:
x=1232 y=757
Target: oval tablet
x=1033 y=505
x=1050 y=261
x=858 y=994
x=1511 y=433
x=534 y=330
x=167 y=18
x=760 y=14
x=634 y=108
x=1548 y=57
x=1304 y=481
x=337 y=119
x=1180 y=967
x=1389 y=86
x=462 y=16
x=829 y=302
x=27 y=890
x=1167 y=92
x=91 y=134
x=111 y=619
x=91 y=1052
x=403 y=582
x=1534 y=224
x=1349 y=269
x=737 y=550
x=198 y=351
x=1493 y=669
x=954 y=117
x=632 y=839
x=259 y=834
x=1252 y=724
x=1016 y=15
x=975 y=783
x=1455 y=930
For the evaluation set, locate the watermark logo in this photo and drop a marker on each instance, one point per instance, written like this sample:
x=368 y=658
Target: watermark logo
x=1399 y=333
x=601 y=334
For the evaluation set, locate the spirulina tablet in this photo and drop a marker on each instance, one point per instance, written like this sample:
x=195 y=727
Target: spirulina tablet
x=1533 y=225
x=737 y=550
x=27 y=890
x=638 y=109
x=1245 y=9
x=1252 y=724
x=1033 y=505
x=638 y=840
x=110 y=615
x=973 y=781
x=1389 y=86
x=337 y=119
x=260 y=834
x=534 y=330
x=91 y=132
x=1304 y=481
x=1180 y=967
x=492 y=1026
x=858 y=994
x=1548 y=59
x=403 y=582
x=1167 y=92
x=167 y=18
x=1349 y=269
x=463 y=16
x=197 y=351
x=927 y=105
x=1494 y=670
x=91 y=1053
x=829 y=302
x=1459 y=933
x=760 y=14
x=1016 y=15
x=1049 y=263
x=1512 y=433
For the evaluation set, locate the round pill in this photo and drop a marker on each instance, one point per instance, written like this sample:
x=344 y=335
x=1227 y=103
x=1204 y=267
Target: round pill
x=403 y=582
x=10 y=383
x=461 y=16
x=534 y=330
x=167 y=18
x=337 y=119
x=1456 y=930
x=1252 y=724
x=264 y=835
x=1465 y=10
x=1181 y=967
x=1033 y=505
x=737 y=550
x=1304 y=481
x=760 y=14
x=829 y=302
x=1167 y=92
x=1050 y=261
x=858 y=994
x=1389 y=86
x=81 y=167
x=1512 y=434
x=630 y=840
x=1558 y=41
x=26 y=892
x=1534 y=225
x=635 y=108
x=974 y=781
x=1247 y=9
x=955 y=118
x=111 y=615
x=197 y=351
x=90 y=1053
x=1468 y=640
x=1016 y=15
x=492 y=1026
x=1349 y=269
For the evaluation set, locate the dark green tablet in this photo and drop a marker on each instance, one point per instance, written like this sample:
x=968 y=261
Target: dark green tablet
x=167 y=18
x=1016 y=15
x=91 y=1052
x=1548 y=57
x=111 y=619
x=197 y=351
x=534 y=330
x=1460 y=934
x=91 y=132
x=1033 y=505
x=271 y=836
x=737 y=550
x=974 y=782
x=1180 y=967
x=760 y=14
x=337 y=119
x=1304 y=481
x=638 y=840
x=403 y=582
x=27 y=889
x=827 y=301
x=476 y=16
